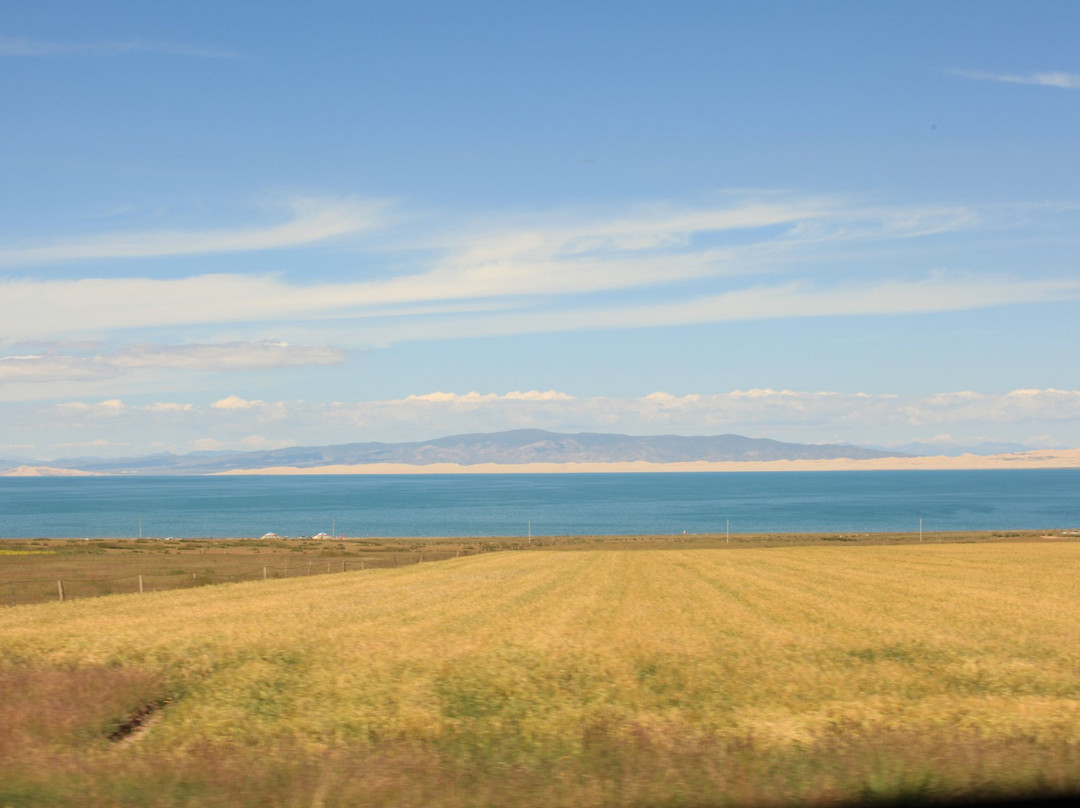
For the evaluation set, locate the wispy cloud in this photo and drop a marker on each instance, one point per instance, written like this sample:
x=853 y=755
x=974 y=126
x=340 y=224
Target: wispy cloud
x=935 y=294
x=268 y=354
x=1059 y=79
x=311 y=220
x=756 y=257
x=26 y=46
x=541 y=273
x=262 y=355
x=106 y=304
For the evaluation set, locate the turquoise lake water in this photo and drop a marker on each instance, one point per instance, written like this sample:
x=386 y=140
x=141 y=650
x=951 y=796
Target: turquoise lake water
x=556 y=504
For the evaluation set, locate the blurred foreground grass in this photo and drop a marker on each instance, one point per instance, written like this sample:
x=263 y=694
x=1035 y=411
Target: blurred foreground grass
x=655 y=677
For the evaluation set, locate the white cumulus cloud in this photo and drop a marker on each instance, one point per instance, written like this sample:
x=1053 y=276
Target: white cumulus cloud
x=234 y=402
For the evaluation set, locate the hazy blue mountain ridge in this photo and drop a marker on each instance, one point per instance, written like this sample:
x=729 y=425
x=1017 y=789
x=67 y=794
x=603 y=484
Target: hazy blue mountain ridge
x=956 y=449
x=512 y=447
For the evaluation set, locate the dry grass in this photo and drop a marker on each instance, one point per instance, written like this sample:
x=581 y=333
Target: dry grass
x=592 y=678
x=30 y=568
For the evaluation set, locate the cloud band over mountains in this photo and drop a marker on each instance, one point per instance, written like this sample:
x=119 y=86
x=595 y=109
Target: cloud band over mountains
x=234 y=422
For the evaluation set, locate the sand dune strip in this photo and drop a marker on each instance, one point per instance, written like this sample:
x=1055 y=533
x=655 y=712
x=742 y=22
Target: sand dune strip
x=1040 y=459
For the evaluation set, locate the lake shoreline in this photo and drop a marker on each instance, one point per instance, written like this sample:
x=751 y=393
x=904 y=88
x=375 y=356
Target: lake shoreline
x=1037 y=459
x=1033 y=459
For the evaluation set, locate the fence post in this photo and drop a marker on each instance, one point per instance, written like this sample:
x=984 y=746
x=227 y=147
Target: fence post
x=60 y=587
x=343 y=563
x=264 y=573
x=194 y=579
x=140 y=585
x=309 y=568
x=328 y=566
x=13 y=594
x=361 y=563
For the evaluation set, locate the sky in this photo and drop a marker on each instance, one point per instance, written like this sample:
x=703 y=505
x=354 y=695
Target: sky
x=244 y=226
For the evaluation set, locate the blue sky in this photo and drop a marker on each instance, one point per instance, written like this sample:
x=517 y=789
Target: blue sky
x=239 y=225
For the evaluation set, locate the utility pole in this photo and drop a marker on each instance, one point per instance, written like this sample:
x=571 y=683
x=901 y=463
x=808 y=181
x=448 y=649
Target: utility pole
x=920 y=528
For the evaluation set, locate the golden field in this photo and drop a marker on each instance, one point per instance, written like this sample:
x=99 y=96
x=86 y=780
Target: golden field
x=671 y=677
x=31 y=568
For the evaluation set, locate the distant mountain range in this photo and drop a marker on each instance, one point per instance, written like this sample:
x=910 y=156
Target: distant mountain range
x=956 y=449
x=513 y=447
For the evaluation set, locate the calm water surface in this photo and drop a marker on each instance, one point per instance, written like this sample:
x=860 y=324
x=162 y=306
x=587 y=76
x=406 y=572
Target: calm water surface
x=556 y=504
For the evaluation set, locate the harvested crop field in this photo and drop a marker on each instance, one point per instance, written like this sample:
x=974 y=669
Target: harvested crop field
x=550 y=678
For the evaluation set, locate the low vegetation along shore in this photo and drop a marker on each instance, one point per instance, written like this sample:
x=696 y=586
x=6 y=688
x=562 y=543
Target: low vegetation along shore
x=40 y=570
x=590 y=672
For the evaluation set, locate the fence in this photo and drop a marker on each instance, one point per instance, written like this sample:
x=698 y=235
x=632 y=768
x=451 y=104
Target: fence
x=39 y=590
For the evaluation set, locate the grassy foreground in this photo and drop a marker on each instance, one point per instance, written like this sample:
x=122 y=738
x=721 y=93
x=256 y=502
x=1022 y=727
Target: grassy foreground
x=650 y=677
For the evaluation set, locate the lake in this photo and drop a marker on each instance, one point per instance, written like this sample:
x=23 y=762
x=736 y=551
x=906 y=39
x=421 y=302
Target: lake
x=554 y=504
